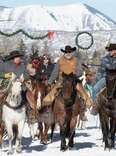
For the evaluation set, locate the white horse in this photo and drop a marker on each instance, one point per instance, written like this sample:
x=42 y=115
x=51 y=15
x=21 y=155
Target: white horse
x=14 y=115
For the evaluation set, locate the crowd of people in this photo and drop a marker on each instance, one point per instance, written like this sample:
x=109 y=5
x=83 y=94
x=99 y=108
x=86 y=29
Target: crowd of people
x=41 y=68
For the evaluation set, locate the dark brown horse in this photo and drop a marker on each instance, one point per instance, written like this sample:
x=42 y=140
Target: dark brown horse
x=107 y=110
x=39 y=113
x=66 y=109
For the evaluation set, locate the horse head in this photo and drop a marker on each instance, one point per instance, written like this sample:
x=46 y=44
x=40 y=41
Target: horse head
x=68 y=85
x=111 y=83
x=14 y=97
x=35 y=93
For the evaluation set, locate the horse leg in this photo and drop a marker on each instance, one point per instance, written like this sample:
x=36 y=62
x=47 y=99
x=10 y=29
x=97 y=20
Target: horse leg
x=63 y=126
x=1 y=133
x=10 y=137
x=73 y=123
x=105 y=129
x=31 y=130
x=78 y=121
x=19 y=136
x=106 y=132
x=40 y=125
x=52 y=131
x=112 y=132
x=46 y=133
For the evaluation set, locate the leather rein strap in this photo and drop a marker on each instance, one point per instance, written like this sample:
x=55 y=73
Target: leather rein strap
x=14 y=108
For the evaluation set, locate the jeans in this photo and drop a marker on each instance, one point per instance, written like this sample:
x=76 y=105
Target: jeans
x=98 y=86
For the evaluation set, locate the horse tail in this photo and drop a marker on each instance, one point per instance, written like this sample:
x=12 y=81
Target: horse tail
x=15 y=131
x=52 y=131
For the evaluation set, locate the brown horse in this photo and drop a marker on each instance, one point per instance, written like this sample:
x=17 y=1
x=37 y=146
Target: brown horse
x=107 y=110
x=41 y=114
x=66 y=108
x=1 y=133
x=2 y=99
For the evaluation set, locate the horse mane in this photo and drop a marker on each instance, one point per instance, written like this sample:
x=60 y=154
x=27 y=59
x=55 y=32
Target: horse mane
x=111 y=71
x=111 y=82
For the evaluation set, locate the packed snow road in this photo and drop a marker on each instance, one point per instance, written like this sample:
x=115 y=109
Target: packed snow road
x=88 y=142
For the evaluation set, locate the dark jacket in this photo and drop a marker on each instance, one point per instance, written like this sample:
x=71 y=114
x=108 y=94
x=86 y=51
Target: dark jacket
x=9 y=66
x=47 y=70
x=107 y=62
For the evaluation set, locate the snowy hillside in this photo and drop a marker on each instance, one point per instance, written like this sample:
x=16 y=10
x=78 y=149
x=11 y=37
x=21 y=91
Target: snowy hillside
x=69 y=18
x=88 y=142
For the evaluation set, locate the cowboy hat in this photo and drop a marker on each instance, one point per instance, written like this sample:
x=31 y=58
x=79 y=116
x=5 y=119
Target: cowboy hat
x=13 y=54
x=68 y=49
x=110 y=47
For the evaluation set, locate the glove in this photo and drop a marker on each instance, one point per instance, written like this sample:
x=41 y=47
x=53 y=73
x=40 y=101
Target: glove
x=7 y=75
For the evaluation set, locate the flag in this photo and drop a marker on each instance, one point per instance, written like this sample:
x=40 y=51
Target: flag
x=50 y=35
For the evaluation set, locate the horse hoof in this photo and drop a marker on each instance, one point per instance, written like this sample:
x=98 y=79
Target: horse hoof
x=19 y=150
x=106 y=147
x=34 y=138
x=63 y=149
x=43 y=142
x=71 y=146
x=10 y=152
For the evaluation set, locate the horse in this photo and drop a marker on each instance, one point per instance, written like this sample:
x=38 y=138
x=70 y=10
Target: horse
x=14 y=114
x=42 y=114
x=1 y=123
x=106 y=105
x=66 y=108
x=3 y=93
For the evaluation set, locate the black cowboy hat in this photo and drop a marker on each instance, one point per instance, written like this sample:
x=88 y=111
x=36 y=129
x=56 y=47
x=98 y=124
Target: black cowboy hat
x=68 y=49
x=13 y=54
x=110 y=47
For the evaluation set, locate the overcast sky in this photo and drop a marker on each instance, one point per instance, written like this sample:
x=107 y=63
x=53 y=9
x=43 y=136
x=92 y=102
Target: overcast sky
x=105 y=6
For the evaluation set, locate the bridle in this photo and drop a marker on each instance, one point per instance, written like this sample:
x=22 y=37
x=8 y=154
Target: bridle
x=13 y=107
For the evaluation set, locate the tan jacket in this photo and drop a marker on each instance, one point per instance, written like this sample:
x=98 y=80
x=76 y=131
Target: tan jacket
x=68 y=66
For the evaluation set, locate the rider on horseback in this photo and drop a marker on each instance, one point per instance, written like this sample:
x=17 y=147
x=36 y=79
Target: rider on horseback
x=67 y=64
x=34 y=66
x=88 y=78
x=108 y=62
x=47 y=67
x=13 y=64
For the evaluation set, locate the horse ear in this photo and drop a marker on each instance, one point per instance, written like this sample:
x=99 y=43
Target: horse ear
x=63 y=74
x=71 y=74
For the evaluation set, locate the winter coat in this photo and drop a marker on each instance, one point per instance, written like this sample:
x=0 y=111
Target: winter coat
x=46 y=71
x=108 y=62
x=9 y=66
x=66 y=66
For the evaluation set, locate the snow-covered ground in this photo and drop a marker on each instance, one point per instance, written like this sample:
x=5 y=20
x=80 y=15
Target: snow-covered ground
x=88 y=142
